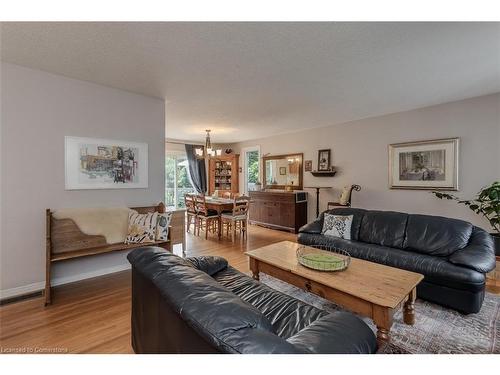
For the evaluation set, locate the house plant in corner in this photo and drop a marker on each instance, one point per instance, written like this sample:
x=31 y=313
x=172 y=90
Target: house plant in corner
x=486 y=203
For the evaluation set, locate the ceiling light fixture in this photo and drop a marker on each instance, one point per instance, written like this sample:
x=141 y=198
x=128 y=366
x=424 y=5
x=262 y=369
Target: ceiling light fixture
x=202 y=152
x=208 y=144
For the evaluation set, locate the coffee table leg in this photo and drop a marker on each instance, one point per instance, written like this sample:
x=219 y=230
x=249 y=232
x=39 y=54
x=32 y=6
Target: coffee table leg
x=254 y=267
x=409 y=308
x=382 y=316
x=383 y=336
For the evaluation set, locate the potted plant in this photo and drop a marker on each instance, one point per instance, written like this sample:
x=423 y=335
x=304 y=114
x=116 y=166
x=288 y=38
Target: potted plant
x=486 y=203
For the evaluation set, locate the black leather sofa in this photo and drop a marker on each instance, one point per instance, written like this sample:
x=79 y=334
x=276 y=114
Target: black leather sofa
x=453 y=255
x=202 y=305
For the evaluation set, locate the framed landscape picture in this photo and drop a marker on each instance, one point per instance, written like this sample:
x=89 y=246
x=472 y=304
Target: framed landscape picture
x=431 y=165
x=92 y=163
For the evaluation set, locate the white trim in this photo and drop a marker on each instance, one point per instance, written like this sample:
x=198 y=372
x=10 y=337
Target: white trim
x=21 y=290
x=176 y=152
x=35 y=287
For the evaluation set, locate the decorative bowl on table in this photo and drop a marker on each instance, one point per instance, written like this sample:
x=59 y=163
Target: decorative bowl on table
x=330 y=259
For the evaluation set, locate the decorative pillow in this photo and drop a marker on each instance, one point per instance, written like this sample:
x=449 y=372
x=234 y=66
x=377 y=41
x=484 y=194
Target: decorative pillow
x=141 y=227
x=162 y=226
x=344 y=197
x=337 y=226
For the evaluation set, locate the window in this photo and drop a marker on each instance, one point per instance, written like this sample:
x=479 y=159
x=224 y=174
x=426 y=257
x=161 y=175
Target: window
x=251 y=167
x=177 y=182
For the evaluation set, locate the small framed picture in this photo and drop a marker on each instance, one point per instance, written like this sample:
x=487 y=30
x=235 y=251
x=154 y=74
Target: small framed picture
x=308 y=165
x=324 y=160
x=282 y=171
x=424 y=165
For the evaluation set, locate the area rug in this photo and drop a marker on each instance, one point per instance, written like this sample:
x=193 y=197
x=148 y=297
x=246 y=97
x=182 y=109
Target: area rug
x=437 y=330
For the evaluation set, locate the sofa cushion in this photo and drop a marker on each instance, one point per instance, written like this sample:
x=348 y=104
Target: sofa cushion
x=322 y=336
x=162 y=225
x=141 y=227
x=208 y=264
x=385 y=228
x=435 y=269
x=287 y=315
x=337 y=226
x=357 y=217
x=435 y=235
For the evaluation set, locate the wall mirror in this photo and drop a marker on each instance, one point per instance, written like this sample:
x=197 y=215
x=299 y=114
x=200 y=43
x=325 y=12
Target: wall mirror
x=283 y=171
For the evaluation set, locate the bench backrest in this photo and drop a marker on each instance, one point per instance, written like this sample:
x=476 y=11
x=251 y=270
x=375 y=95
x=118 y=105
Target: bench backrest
x=63 y=235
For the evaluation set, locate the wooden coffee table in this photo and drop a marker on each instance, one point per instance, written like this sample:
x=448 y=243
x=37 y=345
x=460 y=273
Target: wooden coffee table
x=366 y=288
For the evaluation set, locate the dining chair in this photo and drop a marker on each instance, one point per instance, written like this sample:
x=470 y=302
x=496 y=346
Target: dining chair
x=238 y=218
x=207 y=219
x=189 y=202
x=227 y=195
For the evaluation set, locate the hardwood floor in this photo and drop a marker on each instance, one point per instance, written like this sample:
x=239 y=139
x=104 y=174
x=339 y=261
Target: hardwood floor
x=493 y=279
x=93 y=316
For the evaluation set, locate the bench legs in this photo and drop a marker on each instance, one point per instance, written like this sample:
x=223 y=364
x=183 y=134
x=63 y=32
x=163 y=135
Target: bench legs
x=47 y=292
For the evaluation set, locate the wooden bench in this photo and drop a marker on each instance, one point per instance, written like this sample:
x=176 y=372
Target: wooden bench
x=64 y=240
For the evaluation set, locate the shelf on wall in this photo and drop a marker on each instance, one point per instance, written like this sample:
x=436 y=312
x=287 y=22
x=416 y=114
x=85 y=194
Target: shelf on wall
x=323 y=173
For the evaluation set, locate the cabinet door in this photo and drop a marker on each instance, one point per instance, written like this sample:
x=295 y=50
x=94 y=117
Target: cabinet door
x=271 y=213
x=255 y=211
x=287 y=214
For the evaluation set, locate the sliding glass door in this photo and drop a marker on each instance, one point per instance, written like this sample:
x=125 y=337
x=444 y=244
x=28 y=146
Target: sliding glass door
x=177 y=181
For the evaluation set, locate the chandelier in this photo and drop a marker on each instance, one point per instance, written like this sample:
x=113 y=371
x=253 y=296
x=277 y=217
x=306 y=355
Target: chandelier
x=206 y=151
x=208 y=144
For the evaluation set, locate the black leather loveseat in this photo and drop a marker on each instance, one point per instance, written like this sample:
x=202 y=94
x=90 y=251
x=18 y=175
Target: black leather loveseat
x=202 y=305
x=453 y=255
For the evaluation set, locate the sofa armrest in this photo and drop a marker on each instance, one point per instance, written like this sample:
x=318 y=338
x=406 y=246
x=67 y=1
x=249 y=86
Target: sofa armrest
x=336 y=333
x=208 y=264
x=258 y=341
x=478 y=255
x=314 y=227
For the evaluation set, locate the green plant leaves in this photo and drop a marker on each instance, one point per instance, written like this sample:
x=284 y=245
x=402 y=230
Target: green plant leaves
x=486 y=203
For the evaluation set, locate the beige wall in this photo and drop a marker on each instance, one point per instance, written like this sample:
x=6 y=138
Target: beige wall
x=359 y=151
x=38 y=110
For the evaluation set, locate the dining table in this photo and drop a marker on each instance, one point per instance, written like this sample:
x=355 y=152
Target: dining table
x=220 y=205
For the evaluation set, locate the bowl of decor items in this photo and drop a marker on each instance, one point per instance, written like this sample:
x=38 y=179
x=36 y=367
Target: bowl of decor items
x=323 y=259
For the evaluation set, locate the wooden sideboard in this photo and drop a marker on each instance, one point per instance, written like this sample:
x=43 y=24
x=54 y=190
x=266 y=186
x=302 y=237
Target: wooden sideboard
x=278 y=210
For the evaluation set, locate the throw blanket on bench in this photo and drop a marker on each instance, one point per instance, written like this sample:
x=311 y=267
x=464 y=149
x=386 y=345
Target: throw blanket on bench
x=112 y=222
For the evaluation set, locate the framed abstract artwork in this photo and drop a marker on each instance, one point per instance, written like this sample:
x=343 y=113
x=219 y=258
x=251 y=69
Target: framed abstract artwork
x=92 y=163
x=431 y=165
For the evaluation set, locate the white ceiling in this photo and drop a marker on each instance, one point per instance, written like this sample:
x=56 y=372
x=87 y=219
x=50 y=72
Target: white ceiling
x=251 y=80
